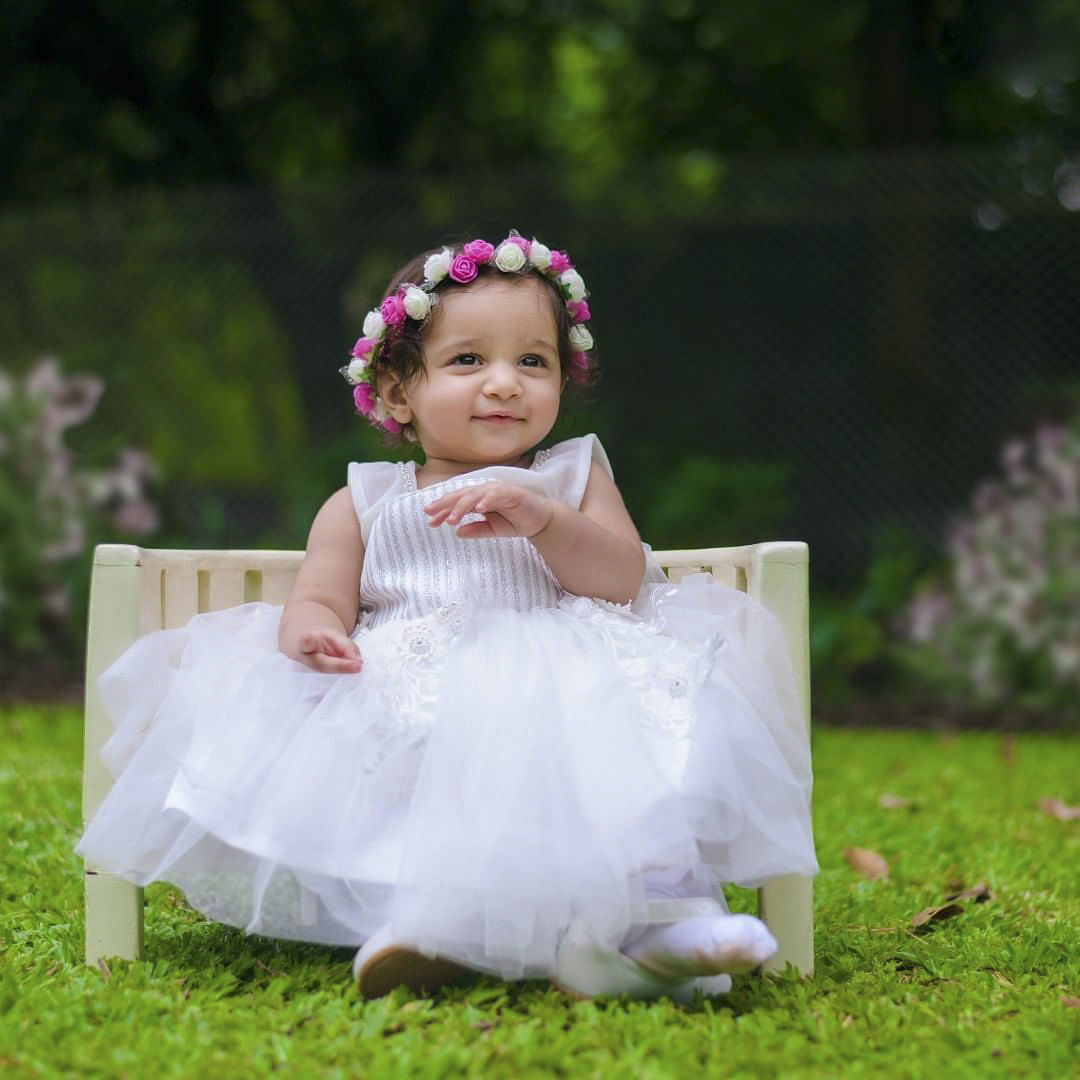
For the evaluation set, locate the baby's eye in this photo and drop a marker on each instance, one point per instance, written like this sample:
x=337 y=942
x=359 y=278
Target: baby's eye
x=533 y=361
x=466 y=360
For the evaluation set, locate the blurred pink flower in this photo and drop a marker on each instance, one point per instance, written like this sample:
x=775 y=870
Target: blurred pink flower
x=392 y=310
x=480 y=251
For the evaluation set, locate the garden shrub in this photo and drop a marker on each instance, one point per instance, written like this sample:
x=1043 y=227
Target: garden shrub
x=51 y=501
x=1002 y=625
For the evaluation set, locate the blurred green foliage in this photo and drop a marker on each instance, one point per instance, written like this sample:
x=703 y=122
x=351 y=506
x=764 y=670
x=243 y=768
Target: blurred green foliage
x=706 y=502
x=112 y=111
x=852 y=634
x=101 y=96
x=203 y=341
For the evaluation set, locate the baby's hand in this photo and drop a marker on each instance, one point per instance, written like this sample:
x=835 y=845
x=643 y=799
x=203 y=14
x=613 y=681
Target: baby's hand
x=508 y=511
x=330 y=652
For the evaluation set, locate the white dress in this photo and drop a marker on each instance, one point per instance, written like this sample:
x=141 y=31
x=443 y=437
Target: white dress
x=511 y=757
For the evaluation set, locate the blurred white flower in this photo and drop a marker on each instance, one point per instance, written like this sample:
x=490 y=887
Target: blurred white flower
x=1009 y=602
x=417 y=303
x=51 y=500
x=374 y=324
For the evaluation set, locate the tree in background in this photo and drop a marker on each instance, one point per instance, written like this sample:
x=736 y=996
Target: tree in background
x=99 y=96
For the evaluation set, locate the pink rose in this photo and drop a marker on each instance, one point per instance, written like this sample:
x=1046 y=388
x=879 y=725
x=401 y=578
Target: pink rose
x=579 y=367
x=579 y=310
x=560 y=262
x=480 y=251
x=463 y=269
x=391 y=425
x=392 y=309
x=363 y=398
x=521 y=242
x=363 y=347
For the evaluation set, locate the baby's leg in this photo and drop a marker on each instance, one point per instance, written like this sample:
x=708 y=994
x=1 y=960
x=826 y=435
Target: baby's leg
x=703 y=945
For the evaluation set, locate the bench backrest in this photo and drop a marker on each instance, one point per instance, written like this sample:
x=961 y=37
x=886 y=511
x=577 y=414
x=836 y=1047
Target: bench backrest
x=136 y=590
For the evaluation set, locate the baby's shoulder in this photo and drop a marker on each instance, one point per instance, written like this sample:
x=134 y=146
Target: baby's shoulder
x=566 y=466
x=370 y=483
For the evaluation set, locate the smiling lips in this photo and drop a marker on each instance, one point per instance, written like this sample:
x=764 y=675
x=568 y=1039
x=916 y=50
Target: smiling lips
x=499 y=418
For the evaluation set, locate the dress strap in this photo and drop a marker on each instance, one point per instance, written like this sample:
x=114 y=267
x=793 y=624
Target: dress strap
x=407 y=471
x=565 y=467
x=372 y=482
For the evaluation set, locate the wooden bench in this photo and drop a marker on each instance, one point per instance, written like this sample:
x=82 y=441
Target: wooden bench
x=135 y=590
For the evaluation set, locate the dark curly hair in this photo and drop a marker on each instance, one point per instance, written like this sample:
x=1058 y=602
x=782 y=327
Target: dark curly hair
x=402 y=354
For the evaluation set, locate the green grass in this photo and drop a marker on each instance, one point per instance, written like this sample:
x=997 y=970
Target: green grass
x=977 y=995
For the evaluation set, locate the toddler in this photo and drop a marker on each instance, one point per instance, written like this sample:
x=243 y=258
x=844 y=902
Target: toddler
x=484 y=734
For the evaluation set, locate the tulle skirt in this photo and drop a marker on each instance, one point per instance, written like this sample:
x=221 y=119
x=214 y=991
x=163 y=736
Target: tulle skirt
x=488 y=777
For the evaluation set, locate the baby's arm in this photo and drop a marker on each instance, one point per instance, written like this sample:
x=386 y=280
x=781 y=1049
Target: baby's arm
x=594 y=551
x=321 y=610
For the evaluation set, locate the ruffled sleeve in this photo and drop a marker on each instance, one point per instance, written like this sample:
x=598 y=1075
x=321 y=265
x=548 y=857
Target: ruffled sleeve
x=565 y=467
x=566 y=472
x=370 y=484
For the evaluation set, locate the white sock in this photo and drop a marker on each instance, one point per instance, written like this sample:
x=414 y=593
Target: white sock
x=706 y=945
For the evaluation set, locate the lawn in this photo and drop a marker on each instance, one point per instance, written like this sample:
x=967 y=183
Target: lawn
x=991 y=991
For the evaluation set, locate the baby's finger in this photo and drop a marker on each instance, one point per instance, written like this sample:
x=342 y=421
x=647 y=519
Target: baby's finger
x=465 y=505
x=440 y=503
x=346 y=647
x=336 y=665
x=439 y=510
x=475 y=530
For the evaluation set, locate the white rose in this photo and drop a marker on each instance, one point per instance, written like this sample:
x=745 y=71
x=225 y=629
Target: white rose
x=580 y=338
x=509 y=257
x=437 y=266
x=417 y=303
x=374 y=325
x=572 y=280
x=356 y=369
x=539 y=255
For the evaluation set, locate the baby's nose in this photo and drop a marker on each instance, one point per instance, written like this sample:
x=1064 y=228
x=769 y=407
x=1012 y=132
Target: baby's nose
x=502 y=381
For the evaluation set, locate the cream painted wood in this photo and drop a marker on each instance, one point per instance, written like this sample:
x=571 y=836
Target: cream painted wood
x=134 y=591
x=777 y=574
x=114 y=907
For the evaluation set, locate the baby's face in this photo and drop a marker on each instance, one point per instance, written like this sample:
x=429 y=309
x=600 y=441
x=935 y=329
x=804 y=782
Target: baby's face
x=491 y=383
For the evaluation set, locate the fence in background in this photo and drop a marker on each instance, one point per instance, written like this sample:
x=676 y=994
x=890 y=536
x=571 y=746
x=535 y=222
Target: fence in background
x=808 y=348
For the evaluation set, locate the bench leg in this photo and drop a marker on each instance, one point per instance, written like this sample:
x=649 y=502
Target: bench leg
x=786 y=906
x=114 y=917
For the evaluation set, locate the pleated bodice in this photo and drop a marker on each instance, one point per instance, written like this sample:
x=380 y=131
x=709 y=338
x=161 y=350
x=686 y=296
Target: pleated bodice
x=411 y=569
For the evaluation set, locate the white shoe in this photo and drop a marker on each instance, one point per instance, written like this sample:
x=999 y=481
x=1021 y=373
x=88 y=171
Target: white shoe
x=586 y=969
x=382 y=964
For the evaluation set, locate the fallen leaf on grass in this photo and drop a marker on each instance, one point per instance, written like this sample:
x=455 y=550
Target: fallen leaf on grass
x=867 y=863
x=980 y=893
x=893 y=802
x=936 y=914
x=1071 y=1002
x=847 y=1021
x=1059 y=809
x=1007 y=749
x=104 y=967
x=999 y=977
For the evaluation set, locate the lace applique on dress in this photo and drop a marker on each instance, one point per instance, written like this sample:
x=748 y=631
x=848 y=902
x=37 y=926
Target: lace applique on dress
x=664 y=674
x=415 y=666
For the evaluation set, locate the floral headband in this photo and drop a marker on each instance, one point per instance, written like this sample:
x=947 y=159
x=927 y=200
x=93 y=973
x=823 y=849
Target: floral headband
x=515 y=255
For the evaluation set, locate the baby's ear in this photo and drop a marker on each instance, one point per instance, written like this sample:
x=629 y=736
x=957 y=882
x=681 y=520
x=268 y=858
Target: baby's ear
x=392 y=394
